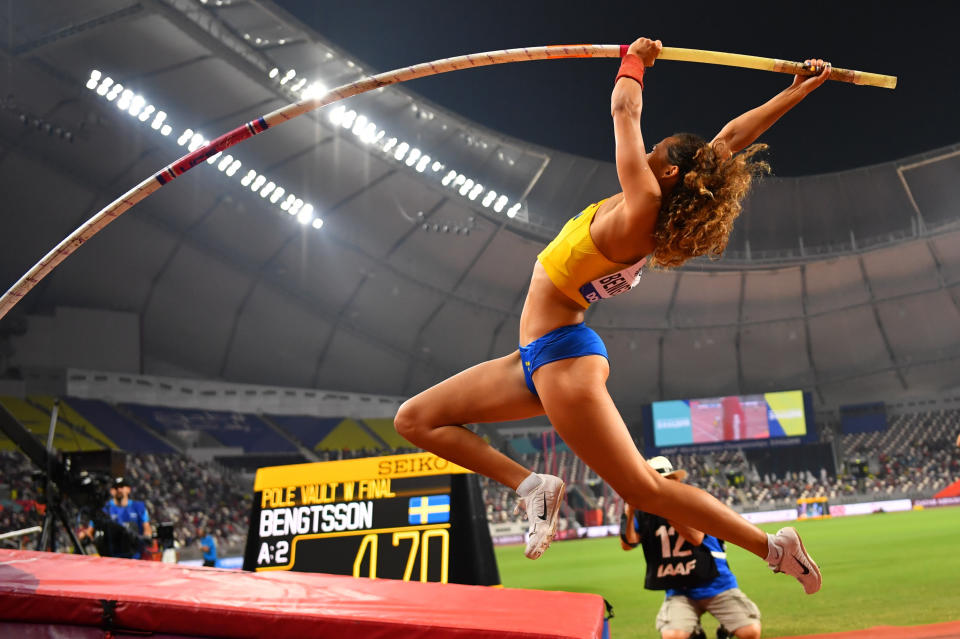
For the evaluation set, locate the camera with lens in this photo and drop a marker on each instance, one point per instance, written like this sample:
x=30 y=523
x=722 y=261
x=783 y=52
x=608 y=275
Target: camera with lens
x=86 y=479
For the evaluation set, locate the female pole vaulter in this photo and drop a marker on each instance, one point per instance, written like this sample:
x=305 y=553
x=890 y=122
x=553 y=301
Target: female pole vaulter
x=679 y=201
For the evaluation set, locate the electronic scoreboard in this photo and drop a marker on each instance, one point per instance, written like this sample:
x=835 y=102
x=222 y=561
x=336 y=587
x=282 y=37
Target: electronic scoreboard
x=412 y=517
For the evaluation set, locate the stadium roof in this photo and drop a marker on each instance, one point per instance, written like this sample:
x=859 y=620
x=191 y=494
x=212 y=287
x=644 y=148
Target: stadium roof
x=827 y=284
x=566 y=106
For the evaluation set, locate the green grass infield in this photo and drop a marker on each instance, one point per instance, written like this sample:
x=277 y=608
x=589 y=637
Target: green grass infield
x=881 y=569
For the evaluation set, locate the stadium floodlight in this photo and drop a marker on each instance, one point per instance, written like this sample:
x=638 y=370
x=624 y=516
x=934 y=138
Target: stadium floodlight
x=488 y=198
x=460 y=179
x=401 y=150
x=124 y=102
x=413 y=156
x=369 y=133
x=136 y=103
x=465 y=188
x=312 y=91
x=436 y=166
x=348 y=119
x=389 y=144
x=336 y=115
x=475 y=192
x=137 y=106
x=358 y=125
x=317 y=223
x=105 y=84
x=500 y=203
x=513 y=210
x=422 y=164
x=196 y=142
x=306 y=214
x=158 y=120
x=274 y=72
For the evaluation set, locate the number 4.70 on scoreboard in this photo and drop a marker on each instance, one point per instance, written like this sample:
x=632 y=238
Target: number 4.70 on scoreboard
x=401 y=517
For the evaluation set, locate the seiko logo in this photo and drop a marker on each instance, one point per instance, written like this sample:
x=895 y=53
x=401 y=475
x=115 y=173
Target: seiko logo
x=423 y=463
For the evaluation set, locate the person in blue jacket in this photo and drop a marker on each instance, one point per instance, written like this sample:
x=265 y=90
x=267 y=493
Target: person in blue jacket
x=208 y=545
x=132 y=515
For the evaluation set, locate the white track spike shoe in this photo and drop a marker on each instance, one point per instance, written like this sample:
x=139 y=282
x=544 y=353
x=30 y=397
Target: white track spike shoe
x=542 y=507
x=795 y=561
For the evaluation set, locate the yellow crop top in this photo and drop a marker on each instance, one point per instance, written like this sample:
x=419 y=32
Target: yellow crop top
x=575 y=265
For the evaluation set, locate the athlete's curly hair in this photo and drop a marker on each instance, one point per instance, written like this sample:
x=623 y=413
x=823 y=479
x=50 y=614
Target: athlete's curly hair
x=697 y=216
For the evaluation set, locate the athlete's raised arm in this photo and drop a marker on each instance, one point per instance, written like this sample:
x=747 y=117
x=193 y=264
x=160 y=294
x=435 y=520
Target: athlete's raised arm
x=640 y=188
x=741 y=131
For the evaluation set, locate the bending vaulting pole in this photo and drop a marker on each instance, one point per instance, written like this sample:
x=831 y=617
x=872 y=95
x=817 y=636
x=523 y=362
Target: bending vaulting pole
x=109 y=213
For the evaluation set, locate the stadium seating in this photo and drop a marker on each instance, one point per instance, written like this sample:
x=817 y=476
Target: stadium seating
x=904 y=430
x=913 y=457
x=67 y=436
x=174 y=488
x=349 y=435
x=125 y=433
x=307 y=430
x=244 y=430
x=384 y=429
x=327 y=433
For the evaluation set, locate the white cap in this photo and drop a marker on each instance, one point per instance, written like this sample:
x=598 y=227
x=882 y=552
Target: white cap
x=663 y=466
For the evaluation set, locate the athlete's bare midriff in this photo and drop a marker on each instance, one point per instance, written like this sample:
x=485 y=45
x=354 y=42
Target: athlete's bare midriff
x=547 y=307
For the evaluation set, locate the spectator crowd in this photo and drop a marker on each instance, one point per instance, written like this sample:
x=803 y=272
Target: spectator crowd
x=175 y=489
x=212 y=498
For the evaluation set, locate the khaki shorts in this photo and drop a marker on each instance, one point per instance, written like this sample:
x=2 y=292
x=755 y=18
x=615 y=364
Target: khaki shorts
x=732 y=609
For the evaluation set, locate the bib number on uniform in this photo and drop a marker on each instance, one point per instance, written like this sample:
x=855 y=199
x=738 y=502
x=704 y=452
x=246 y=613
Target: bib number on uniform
x=613 y=284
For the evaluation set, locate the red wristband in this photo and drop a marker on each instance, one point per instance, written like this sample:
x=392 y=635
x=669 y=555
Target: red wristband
x=631 y=67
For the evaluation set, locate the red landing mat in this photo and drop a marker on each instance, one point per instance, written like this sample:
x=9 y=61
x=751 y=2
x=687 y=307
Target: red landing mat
x=72 y=595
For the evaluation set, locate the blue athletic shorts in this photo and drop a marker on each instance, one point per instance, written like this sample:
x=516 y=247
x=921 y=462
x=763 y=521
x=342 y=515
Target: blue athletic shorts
x=565 y=342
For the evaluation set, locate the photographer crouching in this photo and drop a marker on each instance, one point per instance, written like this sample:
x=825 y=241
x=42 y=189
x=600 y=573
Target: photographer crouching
x=692 y=568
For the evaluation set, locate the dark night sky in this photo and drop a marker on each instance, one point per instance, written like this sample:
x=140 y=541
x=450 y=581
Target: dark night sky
x=564 y=104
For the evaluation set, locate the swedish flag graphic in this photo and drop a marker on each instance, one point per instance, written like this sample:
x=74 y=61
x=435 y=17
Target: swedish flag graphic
x=432 y=509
